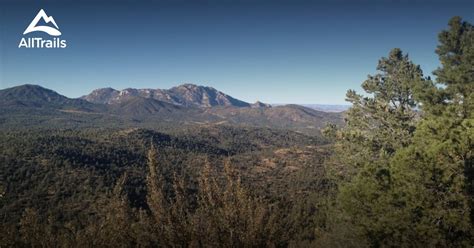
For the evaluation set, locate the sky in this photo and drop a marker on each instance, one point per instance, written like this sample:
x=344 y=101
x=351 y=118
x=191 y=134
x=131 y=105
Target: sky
x=304 y=52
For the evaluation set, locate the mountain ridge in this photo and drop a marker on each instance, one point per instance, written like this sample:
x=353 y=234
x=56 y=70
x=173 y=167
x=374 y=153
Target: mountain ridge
x=40 y=106
x=184 y=95
x=31 y=95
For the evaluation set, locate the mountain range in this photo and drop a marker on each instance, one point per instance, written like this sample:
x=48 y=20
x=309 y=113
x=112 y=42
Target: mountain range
x=182 y=95
x=187 y=104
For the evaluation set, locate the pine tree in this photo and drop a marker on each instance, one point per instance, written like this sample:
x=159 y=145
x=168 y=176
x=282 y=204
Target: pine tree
x=155 y=186
x=408 y=182
x=377 y=126
x=434 y=175
x=228 y=215
x=115 y=227
x=383 y=120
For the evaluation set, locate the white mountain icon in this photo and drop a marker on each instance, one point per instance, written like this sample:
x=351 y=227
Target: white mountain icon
x=49 y=30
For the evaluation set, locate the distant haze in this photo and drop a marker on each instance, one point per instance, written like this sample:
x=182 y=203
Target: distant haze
x=323 y=107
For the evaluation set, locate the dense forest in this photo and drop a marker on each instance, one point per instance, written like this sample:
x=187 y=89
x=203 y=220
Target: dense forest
x=398 y=173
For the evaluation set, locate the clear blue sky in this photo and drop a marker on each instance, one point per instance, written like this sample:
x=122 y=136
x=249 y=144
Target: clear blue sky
x=272 y=51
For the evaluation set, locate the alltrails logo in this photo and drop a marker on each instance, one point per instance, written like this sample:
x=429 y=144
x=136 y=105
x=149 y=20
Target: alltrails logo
x=39 y=42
